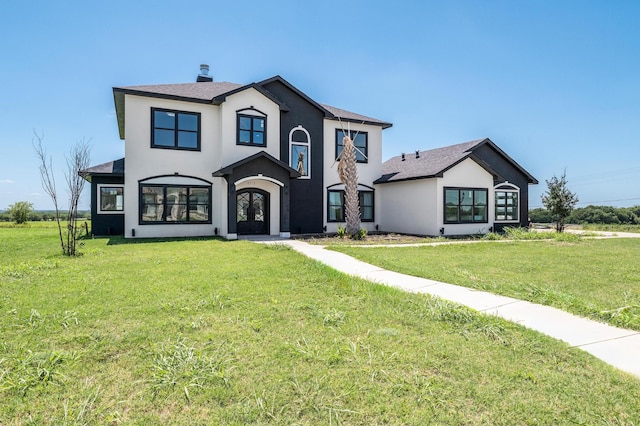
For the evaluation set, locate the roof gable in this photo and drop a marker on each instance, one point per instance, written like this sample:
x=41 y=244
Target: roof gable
x=227 y=170
x=435 y=162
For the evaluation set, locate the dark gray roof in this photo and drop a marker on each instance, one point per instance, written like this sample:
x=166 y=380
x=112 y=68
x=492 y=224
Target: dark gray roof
x=215 y=92
x=203 y=91
x=227 y=170
x=354 y=117
x=434 y=162
x=111 y=168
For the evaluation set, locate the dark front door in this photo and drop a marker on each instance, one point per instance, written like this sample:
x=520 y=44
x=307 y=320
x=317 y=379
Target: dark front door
x=252 y=212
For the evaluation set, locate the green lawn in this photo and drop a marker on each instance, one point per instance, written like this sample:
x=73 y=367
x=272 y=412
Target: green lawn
x=211 y=332
x=599 y=279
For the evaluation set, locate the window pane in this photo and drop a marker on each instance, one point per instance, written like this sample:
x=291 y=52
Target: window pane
x=466 y=197
x=164 y=119
x=480 y=198
x=335 y=206
x=111 y=199
x=451 y=213
x=258 y=138
x=187 y=139
x=360 y=140
x=451 y=197
x=245 y=136
x=245 y=123
x=479 y=214
x=188 y=122
x=163 y=137
x=366 y=205
x=242 y=205
x=300 y=159
x=152 y=203
x=466 y=213
x=258 y=124
x=299 y=136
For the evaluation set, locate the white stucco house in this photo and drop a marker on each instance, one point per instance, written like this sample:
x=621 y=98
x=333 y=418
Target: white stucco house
x=218 y=158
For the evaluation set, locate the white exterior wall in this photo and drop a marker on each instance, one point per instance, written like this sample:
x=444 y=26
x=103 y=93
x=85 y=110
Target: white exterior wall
x=409 y=207
x=417 y=206
x=218 y=149
x=143 y=162
x=367 y=172
x=467 y=174
x=230 y=152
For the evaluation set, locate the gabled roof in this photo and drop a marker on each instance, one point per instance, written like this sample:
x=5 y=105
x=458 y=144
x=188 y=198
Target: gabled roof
x=435 y=162
x=215 y=93
x=227 y=170
x=112 y=168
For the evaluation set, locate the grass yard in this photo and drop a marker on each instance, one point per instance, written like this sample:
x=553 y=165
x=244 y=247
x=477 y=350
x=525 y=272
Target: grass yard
x=598 y=279
x=211 y=332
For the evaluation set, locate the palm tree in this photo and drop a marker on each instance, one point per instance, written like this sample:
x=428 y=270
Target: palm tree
x=348 y=173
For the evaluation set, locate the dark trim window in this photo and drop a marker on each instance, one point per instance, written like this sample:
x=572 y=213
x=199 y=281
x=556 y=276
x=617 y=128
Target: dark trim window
x=173 y=204
x=465 y=205
x=252 y=130
x=360 y=141
x=335 y=206
x=506 y=205
x=111 y=199
x=175 y=129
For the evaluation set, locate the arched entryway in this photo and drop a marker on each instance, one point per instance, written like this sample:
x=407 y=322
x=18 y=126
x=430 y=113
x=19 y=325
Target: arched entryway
x=252 y=212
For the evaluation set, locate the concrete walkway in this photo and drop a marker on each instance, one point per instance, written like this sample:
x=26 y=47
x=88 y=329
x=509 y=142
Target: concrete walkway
x=616 y=346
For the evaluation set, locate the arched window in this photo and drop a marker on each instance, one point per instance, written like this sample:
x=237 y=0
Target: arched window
x=300 y=151
x=507 y=197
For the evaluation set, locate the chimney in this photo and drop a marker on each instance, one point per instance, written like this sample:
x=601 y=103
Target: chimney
x=204 y=74
x=417 y=153
x=403 y=156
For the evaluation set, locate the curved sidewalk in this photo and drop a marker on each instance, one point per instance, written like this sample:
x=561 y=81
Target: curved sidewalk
x=616 y=346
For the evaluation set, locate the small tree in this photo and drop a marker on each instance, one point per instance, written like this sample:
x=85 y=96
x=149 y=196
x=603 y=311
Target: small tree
x=77 y=160
x=19 y=212
x=559 y=200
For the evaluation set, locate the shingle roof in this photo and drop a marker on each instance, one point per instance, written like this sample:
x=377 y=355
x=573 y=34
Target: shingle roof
x=215 y=92
x=111 y=168
x=203 y=91
x=431 y=163
x=352 y=116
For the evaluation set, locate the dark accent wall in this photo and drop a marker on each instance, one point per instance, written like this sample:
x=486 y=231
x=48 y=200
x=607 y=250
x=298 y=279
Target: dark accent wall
x=510 y=173
x=253 y=168
x=305 y=194
x=105 y=224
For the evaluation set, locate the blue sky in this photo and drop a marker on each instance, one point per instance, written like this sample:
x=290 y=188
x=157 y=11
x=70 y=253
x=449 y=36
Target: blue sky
x=555 y=84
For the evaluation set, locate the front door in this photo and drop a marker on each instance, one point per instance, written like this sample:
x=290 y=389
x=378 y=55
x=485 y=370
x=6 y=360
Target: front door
x=252 y=212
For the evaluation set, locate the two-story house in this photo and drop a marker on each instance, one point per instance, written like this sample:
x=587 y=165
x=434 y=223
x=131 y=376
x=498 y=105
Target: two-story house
x=218 y=158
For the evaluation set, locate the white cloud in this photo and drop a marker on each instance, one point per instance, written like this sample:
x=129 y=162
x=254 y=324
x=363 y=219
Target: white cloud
x=7 y=181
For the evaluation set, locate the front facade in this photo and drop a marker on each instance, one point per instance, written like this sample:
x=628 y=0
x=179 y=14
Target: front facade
x=216 y=158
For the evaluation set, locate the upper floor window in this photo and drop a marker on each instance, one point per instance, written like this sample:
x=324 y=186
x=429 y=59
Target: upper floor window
x=300 y=151
x=252 y=130
x=507 y=202
x=175 y=129
x=360 y=141
x=465 y=205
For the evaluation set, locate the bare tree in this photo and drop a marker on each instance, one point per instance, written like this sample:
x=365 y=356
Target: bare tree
x=78 y=159
x=348 y=173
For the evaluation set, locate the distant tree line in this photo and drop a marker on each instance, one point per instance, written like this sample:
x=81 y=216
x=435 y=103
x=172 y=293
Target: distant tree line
x=592 y=214
x=42 y=215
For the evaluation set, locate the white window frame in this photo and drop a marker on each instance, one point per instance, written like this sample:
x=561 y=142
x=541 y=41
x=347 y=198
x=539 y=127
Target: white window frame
x=99 y=198
x=505 y=187
x=307 y=145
